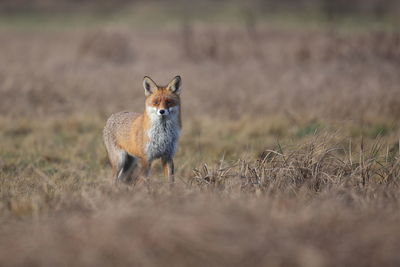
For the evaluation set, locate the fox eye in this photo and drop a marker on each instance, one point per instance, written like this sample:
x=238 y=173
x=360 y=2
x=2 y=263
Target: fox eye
x=169 y=102
x=156 y=102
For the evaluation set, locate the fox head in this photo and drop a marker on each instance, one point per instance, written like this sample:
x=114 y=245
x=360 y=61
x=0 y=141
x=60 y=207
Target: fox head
x=162 y=101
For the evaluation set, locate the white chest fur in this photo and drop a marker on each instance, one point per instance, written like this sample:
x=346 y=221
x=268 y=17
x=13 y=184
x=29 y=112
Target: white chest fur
x=163 y=135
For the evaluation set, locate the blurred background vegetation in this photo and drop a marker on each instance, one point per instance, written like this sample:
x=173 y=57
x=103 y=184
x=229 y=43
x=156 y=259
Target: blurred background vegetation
x=369 y=12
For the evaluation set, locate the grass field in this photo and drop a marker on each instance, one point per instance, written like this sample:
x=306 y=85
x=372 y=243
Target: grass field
x=289 y=154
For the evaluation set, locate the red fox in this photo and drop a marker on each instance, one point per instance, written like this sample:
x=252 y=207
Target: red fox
x=133 y=139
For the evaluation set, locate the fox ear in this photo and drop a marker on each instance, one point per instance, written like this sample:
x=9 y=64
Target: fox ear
x=149 y=85
x=175 y=85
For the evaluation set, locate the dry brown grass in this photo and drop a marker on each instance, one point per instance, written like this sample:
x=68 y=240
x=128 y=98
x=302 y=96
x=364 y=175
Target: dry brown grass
x=321 y=74
x=289 y=154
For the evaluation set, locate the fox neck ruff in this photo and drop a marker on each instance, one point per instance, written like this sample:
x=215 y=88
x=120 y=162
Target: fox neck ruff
x=163 y=133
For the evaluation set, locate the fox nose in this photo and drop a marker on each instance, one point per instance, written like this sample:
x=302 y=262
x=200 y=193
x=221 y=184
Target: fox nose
x=161 y=111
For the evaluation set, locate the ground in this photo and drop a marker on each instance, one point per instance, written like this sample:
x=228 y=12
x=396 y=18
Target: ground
x=289 y=154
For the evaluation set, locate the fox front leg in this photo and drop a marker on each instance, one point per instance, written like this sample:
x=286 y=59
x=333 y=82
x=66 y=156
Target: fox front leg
x=146 y=166
x=168 y=169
